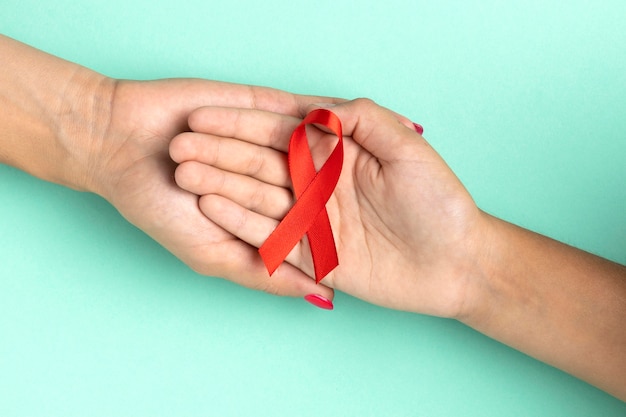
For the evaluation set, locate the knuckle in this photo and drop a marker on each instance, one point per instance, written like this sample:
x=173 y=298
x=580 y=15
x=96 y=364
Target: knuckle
x=257 y=200
x=365 y=103
x=255 y=162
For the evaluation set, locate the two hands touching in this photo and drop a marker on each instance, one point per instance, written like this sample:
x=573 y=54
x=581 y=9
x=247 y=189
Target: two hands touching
x=211 y=183
x=404 y=226
x=408 y=235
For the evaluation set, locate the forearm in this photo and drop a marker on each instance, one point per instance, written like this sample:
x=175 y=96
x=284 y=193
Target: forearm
x=556 y=303
x=51 y=113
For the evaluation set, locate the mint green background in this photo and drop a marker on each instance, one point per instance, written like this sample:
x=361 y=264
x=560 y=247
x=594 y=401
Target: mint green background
x=525 y=100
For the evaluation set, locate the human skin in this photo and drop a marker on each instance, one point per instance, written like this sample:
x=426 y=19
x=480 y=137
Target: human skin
x=438 y=254
x=410 y=237
x=69 y=125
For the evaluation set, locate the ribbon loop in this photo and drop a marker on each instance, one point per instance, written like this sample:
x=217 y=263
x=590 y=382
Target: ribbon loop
x=312 y=189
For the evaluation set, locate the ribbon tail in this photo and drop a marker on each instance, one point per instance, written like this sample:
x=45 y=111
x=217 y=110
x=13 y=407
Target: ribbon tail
x=292 y=228
x=323 y=249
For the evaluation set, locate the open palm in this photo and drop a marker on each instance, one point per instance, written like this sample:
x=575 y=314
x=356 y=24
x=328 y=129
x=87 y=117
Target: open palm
x=135 y=173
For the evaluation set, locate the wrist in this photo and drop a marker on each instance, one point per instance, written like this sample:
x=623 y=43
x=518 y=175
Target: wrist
x=81 y=125
x=504 y=287
x=488 y=260
x=54 y=114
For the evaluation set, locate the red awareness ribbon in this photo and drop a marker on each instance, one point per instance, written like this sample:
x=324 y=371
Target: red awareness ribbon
x=313 y=189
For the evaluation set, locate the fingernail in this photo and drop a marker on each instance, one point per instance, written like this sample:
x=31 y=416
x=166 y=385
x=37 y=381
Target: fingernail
x=319 y=301
x=418 y=128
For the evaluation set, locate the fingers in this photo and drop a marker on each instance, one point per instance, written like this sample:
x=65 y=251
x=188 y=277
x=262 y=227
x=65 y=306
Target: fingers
x=382 y=132
x=258 y=127
x=260 y=130
x=250 y=272
x=377 y=129
x=266 y=199
x=261 y=162
x=304 y=102
x=196 y=92
x=253 y=228
x=236 y=217
x=404 y=120
x=277 y=101
x=294 y=276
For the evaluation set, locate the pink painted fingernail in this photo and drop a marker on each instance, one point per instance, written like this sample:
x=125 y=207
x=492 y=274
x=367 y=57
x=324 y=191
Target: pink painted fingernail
x=319 y=301
x=418 y=128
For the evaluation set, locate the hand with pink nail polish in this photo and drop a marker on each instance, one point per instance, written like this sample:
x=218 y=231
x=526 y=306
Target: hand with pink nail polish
x=410 y=237
x=387 y=229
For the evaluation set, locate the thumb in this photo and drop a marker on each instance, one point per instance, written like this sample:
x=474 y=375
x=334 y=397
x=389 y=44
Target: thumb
x=382 y=132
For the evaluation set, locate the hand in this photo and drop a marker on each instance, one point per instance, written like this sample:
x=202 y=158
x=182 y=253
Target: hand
x=404 y=226
x=67 y=124
x=135 y=173
x=410 y=237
